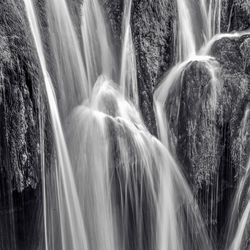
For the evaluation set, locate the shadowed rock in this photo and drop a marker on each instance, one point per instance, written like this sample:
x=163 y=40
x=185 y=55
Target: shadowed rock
x=23 y=115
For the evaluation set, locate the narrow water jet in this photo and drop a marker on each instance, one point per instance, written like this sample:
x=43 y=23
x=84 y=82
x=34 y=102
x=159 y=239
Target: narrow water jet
x=186 y=37
x=128 y=75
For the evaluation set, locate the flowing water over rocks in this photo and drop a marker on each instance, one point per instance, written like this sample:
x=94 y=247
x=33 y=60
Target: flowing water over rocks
x=87 y=87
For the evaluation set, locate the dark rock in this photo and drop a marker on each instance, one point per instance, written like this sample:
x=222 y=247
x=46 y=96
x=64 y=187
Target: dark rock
x=212 y=135
x=235 y=15
x=192 y=114
x=153 y=28
x=23 y=113
x=114 y=15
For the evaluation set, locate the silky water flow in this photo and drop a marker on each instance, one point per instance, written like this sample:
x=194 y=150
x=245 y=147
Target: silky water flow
x=114 y=185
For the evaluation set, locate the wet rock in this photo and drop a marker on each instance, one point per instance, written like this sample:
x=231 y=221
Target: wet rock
x=153 y=26
x=114 y=15
x=211 y=133
x=235 y=15
x=23 y=112
x=192 y=114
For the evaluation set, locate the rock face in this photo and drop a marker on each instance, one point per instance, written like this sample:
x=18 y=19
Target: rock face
x=235 y=123
x=153 y=26
x=235 y=15
x=23 y=115
x=192 y=114
x=212 y=131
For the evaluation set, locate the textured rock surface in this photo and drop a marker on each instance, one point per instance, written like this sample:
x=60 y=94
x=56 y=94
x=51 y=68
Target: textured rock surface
x=153 y=27
x=192 y=114
x=235 y=15
x=212 y=135
x=21 y=111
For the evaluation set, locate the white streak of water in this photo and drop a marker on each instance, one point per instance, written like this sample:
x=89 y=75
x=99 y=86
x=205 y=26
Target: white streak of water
x=97 y=44
x=128 y=75
x=72 y=226
x=72 y=85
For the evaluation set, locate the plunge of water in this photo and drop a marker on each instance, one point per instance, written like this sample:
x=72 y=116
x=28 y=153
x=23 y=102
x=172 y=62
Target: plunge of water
x=120 y=167
x=71 y=81
x=63 y=223
x=98 y=54
x=128 y=75
x=198 y=22
x=119 y=187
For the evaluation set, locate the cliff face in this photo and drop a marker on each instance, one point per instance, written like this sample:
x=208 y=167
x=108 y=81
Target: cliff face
x=23 y=117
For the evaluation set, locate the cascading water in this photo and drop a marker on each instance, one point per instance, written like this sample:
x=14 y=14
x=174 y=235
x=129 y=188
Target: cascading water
x=120 y=167
x=98 y=54
x=128 y=75
x=71 y=80
x=167 y=101
x=115 y=186
x=116 y=166
x=193 y=19
x=68 y=221
x=211 y=13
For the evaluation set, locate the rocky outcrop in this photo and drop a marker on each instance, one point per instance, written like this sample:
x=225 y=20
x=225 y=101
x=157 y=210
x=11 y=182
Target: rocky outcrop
x=235 y=15
x=153 y=28
x=211 y=131
x=23 y=116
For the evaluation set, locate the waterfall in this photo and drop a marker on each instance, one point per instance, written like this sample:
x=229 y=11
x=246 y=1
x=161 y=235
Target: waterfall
x=100 y=57
x=111 y=176
x=128 y=75
x=186 y=35
x=113 y=185
x=71 y=223
x=127 y=172
x=194 y=18
x=198 y=22
x=98 y=53
x=71 y=81
x=211 y=13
